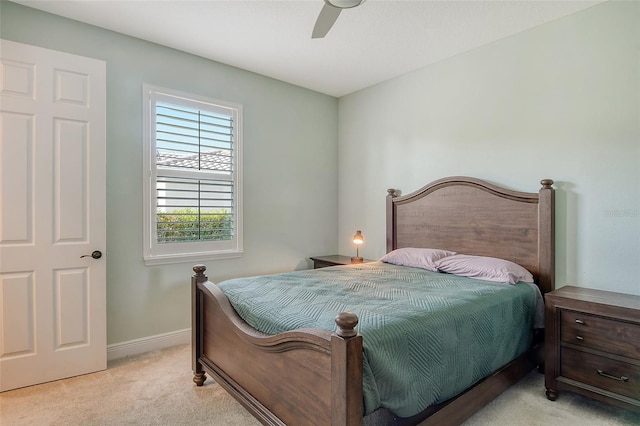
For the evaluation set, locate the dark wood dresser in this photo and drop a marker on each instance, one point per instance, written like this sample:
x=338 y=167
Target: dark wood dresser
x=592 y=345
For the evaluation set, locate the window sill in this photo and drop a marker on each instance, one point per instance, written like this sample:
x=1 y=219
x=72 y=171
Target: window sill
x=190 y=257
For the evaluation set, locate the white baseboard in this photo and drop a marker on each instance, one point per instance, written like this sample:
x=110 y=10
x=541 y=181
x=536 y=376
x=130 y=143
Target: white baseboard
x=148 y=344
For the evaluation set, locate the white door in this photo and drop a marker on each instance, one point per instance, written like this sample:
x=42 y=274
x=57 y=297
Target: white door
x=52 y=213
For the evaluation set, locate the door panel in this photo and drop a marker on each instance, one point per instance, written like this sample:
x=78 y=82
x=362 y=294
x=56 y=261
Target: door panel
x=19 y=289
x=70 y=166
x=72 y=322
x=16 y=161
x=52 y=212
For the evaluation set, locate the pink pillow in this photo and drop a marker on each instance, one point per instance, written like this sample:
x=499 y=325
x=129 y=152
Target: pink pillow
x=484 y=268
x=424 y=258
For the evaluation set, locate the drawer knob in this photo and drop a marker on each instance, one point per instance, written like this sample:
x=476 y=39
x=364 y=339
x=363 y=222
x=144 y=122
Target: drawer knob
x=609 y=376
x=579 y=321
x=579 y=338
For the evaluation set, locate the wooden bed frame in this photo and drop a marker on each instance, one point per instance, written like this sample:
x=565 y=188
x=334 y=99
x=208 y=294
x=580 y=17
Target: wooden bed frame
x=311 y=376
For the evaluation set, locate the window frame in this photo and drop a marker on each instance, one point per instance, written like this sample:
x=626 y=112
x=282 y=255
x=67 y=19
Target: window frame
x=155 y=253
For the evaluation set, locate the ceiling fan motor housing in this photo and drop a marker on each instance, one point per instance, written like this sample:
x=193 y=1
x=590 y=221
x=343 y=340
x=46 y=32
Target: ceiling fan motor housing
x=344 y=4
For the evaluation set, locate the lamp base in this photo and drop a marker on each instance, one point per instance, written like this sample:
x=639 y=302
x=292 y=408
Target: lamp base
x=357 y=259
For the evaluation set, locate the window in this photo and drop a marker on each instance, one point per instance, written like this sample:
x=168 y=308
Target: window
x=193 y=208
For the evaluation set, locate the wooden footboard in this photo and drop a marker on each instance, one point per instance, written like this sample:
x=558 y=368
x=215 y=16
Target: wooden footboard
x=306 y=376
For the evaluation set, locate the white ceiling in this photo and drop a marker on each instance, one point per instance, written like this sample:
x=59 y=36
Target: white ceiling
x=378 y=40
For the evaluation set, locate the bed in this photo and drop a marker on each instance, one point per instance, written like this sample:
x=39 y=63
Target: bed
x=315 y=375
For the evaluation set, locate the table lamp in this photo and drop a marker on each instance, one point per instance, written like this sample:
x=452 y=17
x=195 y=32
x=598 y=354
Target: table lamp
x=357 y=240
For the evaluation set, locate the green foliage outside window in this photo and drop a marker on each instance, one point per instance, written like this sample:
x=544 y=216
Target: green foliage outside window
x=188 y=225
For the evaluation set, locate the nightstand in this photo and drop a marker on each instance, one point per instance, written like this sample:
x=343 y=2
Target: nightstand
x=592 y=345
x=333 y=260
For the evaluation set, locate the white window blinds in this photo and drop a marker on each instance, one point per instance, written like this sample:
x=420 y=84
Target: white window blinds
x=193 y=205
x=193 y=139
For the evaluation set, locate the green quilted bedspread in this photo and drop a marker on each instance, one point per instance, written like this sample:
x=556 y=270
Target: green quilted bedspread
x=427 y=336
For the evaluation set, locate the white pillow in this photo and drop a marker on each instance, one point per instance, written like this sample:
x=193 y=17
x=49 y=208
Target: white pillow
x=484 y=268
x=424 y=258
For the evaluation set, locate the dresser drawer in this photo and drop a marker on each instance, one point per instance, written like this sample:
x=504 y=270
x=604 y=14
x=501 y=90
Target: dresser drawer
x=604 y=334
x=322 y=264
x=614 y=376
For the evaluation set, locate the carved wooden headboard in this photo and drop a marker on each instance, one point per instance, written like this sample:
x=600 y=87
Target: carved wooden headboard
x=474 y=217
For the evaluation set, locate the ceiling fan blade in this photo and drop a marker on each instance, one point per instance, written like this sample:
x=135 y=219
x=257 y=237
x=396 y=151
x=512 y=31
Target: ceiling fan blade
x=326 y=19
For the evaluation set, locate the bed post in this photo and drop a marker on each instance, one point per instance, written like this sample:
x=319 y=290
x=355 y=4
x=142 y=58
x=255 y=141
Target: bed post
x=196 y=324
x=346 y=372
x=391 y=220
x=546 y=237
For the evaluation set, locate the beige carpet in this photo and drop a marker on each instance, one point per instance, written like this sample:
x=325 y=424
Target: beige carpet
x=156 y=389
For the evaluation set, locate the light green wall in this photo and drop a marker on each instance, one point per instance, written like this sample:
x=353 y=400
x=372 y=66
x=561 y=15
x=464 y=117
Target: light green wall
x=290 y=167
x=558 y=101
